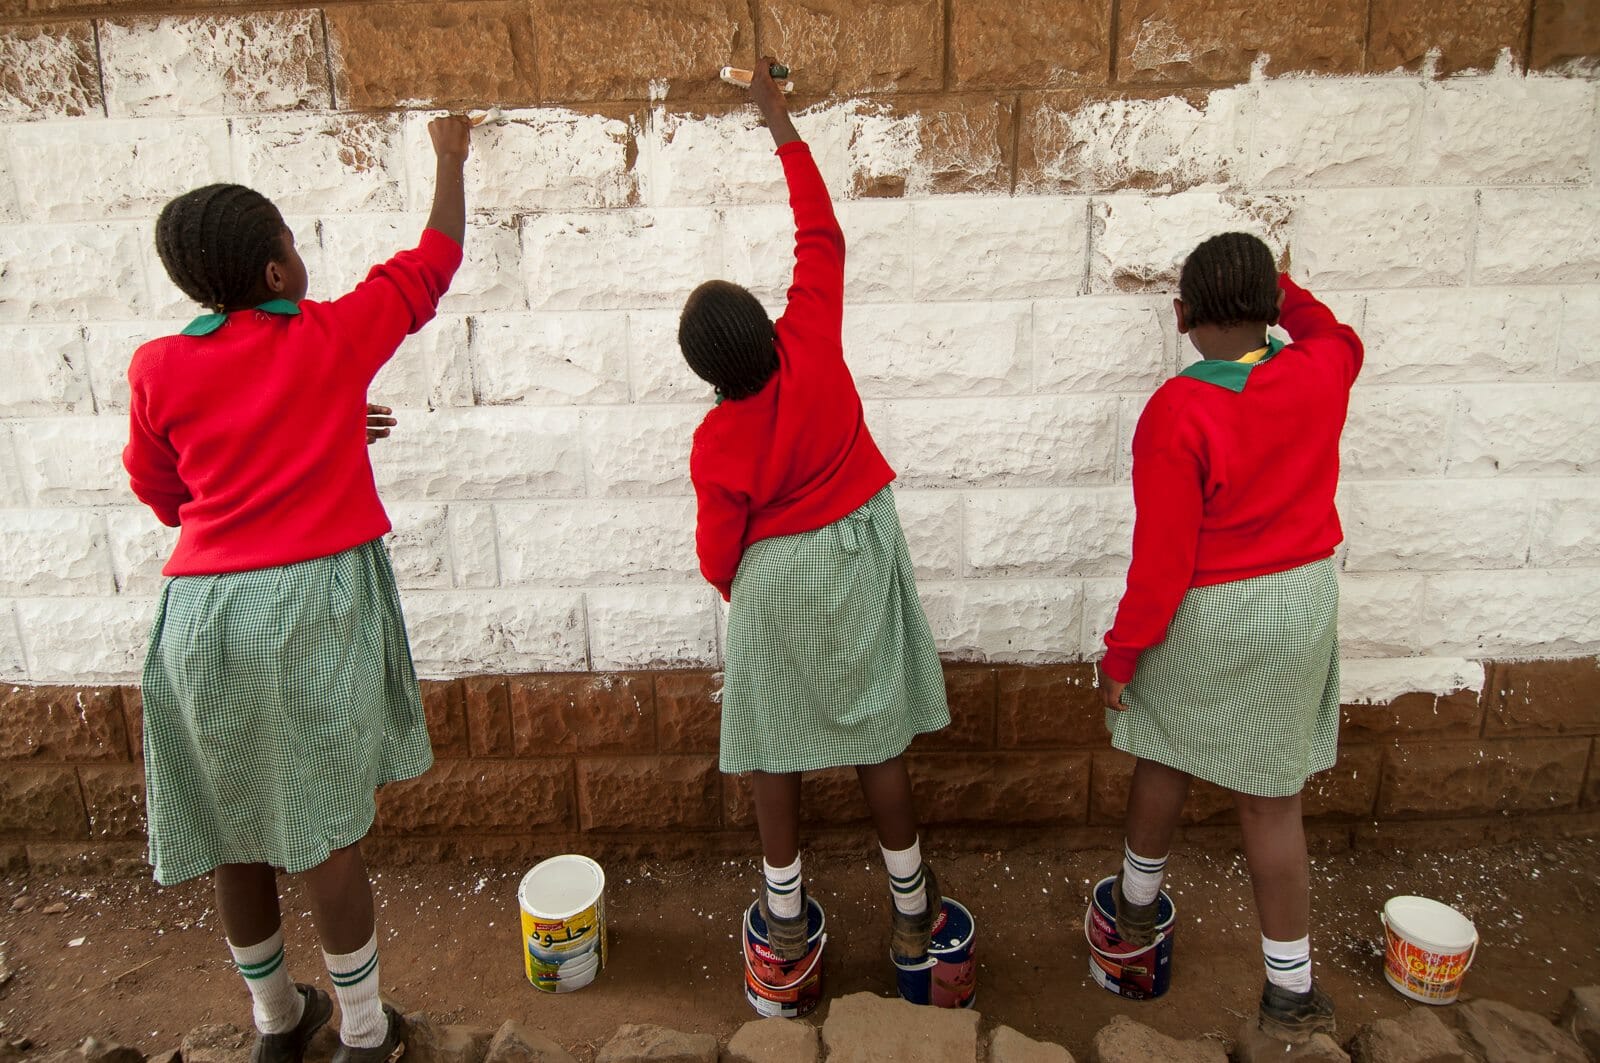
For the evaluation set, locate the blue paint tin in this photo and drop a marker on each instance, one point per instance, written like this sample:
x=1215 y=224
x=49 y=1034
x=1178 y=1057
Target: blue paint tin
x=948 y=976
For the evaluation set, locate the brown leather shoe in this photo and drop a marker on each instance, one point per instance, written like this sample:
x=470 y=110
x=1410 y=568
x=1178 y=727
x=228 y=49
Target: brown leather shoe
x=1136 y=923
x=1295 y=1017
x=909 y=935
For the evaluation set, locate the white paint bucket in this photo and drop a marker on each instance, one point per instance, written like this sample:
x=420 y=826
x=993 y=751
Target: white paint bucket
x=563 y=923
x=1428 y=947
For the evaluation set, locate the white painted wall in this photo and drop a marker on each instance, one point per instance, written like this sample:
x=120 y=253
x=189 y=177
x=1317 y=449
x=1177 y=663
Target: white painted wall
x=1004 y=346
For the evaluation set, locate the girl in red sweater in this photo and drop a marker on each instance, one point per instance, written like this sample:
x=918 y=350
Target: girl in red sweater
x=829 y=661
x=1223 y=660
x=278 y=690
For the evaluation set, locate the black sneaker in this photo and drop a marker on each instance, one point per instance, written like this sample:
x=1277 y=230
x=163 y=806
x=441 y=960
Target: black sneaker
x=393 y=1047
x=290 y=1047
x=1295 y=1017
x=788 y=936
x=909 y=935
x=1136 y=923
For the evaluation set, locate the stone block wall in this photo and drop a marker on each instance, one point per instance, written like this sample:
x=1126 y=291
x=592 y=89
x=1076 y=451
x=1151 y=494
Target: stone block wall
x=1018 y=183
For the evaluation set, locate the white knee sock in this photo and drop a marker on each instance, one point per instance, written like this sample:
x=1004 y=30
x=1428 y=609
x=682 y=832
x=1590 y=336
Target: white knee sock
x=362 y=1023
x=276 y=1003
x=906 y=879
x=1141 y=876
x=783 y=889
x=1288 y=963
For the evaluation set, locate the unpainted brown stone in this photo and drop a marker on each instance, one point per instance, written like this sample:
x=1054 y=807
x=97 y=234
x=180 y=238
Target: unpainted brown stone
x=614 y=49
x=828 y=798
x=1544 y=697
x=473 y=795
x=113 y=795
x=863 y=1028
x=645 y=1043
x=1454 y=715
x=837 y=46
x=1126 y=1041
x=1028 y=44
x=599 y=712
x=443 y=54
x=1591 y=789
x=688 y=712
x=116 y=859
x=773 y=1041
x=1349 y=788
x=1500 y=1033
x=1466 y=833
x=133 y=720
x=1467 y=37
x=429 y=1042
x=1018 y=789
x=94 y=1050
x=49 y=70
x=62 y=723
x=1253 y=1046
x=444 y=703
x=1217 y=41
x=1580 y=1016
x=1418 y=1036
x=970 y=691
x=488 y=708
x=649 y=793
x=1113 y=779
x=41 y=802
x=1050 y=706
x=1475 y=778
x=1565 y=33
x=224 y=1043
x=515 y=1043
x=1008 y=1046
x=964 y=145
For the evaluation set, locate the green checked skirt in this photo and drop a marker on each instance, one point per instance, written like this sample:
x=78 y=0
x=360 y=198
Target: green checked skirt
x=1244 y=691
x=276 y=702
x=830 y=661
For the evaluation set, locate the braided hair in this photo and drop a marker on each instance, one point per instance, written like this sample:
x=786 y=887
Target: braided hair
x=727 y=339
x=216 y=242
x=1230 y=279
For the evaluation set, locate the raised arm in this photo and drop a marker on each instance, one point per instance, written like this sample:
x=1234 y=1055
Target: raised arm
x=1312 y=326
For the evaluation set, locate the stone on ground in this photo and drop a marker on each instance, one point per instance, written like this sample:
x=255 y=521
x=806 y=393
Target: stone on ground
x=1580 y=1016
x=515 y=1043
x=171 y=1055
x=93 y=1050
x=1008 y=1046
x=645 y=1043
x=428 y=1042
x=1126 y=1041
x=863 y=1028
x=1419 y=1036
x=217 y=1043
x=1254 y=1046
x=1500 y=1033
x=773 y=1041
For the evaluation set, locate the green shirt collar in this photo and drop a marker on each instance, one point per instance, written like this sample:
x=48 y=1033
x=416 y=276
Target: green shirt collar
x=206 y=324
x=1230 y=375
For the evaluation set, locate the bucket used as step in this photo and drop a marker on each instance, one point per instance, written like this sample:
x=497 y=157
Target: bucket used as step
x=563 y=923
x=787 y=989
x=1135 y=973
x=1428 y=947
x=948 y=976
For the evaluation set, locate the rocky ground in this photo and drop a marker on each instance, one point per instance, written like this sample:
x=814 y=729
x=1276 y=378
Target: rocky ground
x=117 y=960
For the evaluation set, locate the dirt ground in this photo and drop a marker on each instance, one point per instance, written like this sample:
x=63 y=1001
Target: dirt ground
x=151 y=963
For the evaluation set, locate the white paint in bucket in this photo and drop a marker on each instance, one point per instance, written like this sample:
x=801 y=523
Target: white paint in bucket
x=1428 y=947
x=563 y=923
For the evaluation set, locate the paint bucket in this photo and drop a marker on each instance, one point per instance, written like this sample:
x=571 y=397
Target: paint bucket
x=1139 y=973
x=1428 y=947
x=787 y=989
x=948 y=976
x=563 y=923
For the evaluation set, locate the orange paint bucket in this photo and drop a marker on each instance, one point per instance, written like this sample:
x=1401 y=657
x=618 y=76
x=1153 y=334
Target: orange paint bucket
x=1427 y=949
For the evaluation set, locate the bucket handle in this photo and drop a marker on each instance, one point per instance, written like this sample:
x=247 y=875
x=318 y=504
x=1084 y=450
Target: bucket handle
x=1383 y=918
x=822 y=944
x=1155 y=941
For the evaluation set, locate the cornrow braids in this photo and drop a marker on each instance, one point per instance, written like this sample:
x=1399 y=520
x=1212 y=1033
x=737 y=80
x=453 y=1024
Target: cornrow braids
x=727 y=339
x=216 y=241
x=1230 y=279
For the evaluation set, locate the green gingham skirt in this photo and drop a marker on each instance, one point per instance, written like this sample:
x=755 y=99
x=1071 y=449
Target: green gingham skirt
x=830 y=661
x=276 y=702
x=1244 y=690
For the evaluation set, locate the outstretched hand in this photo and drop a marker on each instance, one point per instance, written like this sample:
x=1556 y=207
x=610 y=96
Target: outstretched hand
x=768 y=98
x=379 y=422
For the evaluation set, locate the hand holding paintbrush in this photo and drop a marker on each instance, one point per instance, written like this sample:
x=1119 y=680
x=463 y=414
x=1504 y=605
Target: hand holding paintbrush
x=767 y=95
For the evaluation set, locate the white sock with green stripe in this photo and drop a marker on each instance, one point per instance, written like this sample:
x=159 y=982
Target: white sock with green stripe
x=277 y=1004
x=783 y=889
x=906 y=879
x=355 y=981
x=1288 y=963
x=1141 y=875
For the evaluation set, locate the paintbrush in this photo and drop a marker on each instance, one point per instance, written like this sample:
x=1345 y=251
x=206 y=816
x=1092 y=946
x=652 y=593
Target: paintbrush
x=490 y=117
x=736 y=76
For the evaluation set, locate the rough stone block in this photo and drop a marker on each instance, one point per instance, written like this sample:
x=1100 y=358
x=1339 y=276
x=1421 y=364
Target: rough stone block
x=863 y=1028
x=1034 y=44
x=1349 y=789
x=1396 y=433
x=474 y=549
x=1506 y=130
x=515 y=1043
x=41 y=802
x=72 y=272
x=550 y=359
x=1539 y=429
x=1086 y=531
x=333 y=163
x=649 y=793
x=1566 y=36
x=1544 y=697
x=440 y=55
x=1099 y=345
x=48 y=71
x=1126 y=1041
x=600 y=712
x=606 y=542
x=828 y=798
x=1578 y=354
x=1537 y=236
x=113 y=795
x=431 y=369
x=723 y=154
x=216 y=1044
x=1101 y=597
x=919 y=146
x=1454 y=715
x=1566 y=525
x=52 y=552
x=688 y=711
x=214 y=64
x=631 y=451
x=1431 y=527
x=591 y=261
x=444 y=703
x=1341 y=133
x=970 y=693
x=653 y=627
x=758 y=252
x=419 y=545
x=1479 y=778
x=1049 y=706
x=1418 y=1036
x=480 y=796
x=1500 y=1033
x=985 y=248
x=1221 y=40
x=429 y=1042
x=1023 y=789
x=1254 y=1046
x=1451 y=336
x=463 y=632
x=656 y=370
x=926 y=349
x=140 y=545
x=91 y=171
x=995 y=620
x=133 y=720
x=62 y=723
x=538 y=159
x=1037 y=442
x=1112 y=780
x=110 y=348
x=1008 y=1046
x=931 y=521
x=1365 y=238
x=880 y=236
x=646 y=51
x=1417 y=35
x=842 y=48
x=1580 y=1016
x=487 y=701
x=489 y=277
x=1379 y=615
x=85 y=640
x=482 y=454
x=1140 y=242
x=773 y=1041
x=73 y=460
x=1512 y=614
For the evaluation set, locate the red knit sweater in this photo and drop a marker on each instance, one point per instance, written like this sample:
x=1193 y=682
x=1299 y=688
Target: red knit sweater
x=1230 y=485
x=252 y=440
x=797 y=456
